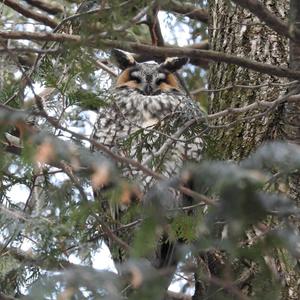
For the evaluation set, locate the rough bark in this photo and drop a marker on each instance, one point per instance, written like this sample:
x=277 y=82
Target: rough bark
x=291 y=132
x=236 y=31
x=291 y=116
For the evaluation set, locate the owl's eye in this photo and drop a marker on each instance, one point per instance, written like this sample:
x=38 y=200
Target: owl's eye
x=159 y=81
x=135 y=78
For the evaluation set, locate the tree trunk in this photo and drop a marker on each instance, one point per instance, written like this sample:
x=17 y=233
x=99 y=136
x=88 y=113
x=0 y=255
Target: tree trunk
x=291 y=132
x=291 y=116
x=236 y=31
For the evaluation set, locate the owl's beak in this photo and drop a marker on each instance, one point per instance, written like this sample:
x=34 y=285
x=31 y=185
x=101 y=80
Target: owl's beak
x=148 y=89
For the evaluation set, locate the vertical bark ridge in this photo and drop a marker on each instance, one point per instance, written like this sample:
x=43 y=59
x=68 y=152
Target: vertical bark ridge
x=236 y=31
x=291 y=115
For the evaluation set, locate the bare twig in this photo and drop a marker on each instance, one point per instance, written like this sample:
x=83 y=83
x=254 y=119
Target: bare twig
x=256 y=105
x=111 y=234
x=170 y=140
x=106 y=68
x=244 y=86
x=17 y=215
x=69 y=171
x=133 y=20
x=197 y=196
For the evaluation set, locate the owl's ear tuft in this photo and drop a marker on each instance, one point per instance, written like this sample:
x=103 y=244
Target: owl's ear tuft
x=122 y=59
x=172 y=64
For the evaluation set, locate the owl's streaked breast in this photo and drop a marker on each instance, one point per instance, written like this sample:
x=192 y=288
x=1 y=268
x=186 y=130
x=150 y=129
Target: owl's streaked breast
x=130 y=112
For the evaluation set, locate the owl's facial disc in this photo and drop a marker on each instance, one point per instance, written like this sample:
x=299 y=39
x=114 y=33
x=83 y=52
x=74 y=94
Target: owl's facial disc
x=148 y=79
x=148 y=83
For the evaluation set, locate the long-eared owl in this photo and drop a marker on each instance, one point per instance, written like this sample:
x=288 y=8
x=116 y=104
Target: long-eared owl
x=145 y=119
x=146 y=116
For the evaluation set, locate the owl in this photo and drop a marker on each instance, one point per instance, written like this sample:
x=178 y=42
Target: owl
x=145 y=119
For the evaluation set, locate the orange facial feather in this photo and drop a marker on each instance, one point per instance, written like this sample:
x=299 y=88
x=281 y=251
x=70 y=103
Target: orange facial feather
x=131 y=84
x=165 y=87
x=172 y=81
x=123 y=78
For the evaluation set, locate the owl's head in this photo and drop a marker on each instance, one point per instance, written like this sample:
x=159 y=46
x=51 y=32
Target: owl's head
x=147 y=78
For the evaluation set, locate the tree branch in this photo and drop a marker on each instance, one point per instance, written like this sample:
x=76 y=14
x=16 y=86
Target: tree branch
x=112 y=235
x=73 y=154
x=244 y=86
x=29 y=13
x=30 y=50
x=40 y=36
x=207 y=54
x=104 y=67
x=255 y=105
x=186 y=9
x=154 y=27
x=40 y=261
x=129 y=161
x=265 y=15
x=161 y=52
x=265 y=104
x=50 y=8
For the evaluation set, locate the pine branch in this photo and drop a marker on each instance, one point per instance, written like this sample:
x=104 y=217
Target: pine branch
x=74 y=155
x=41 y=261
